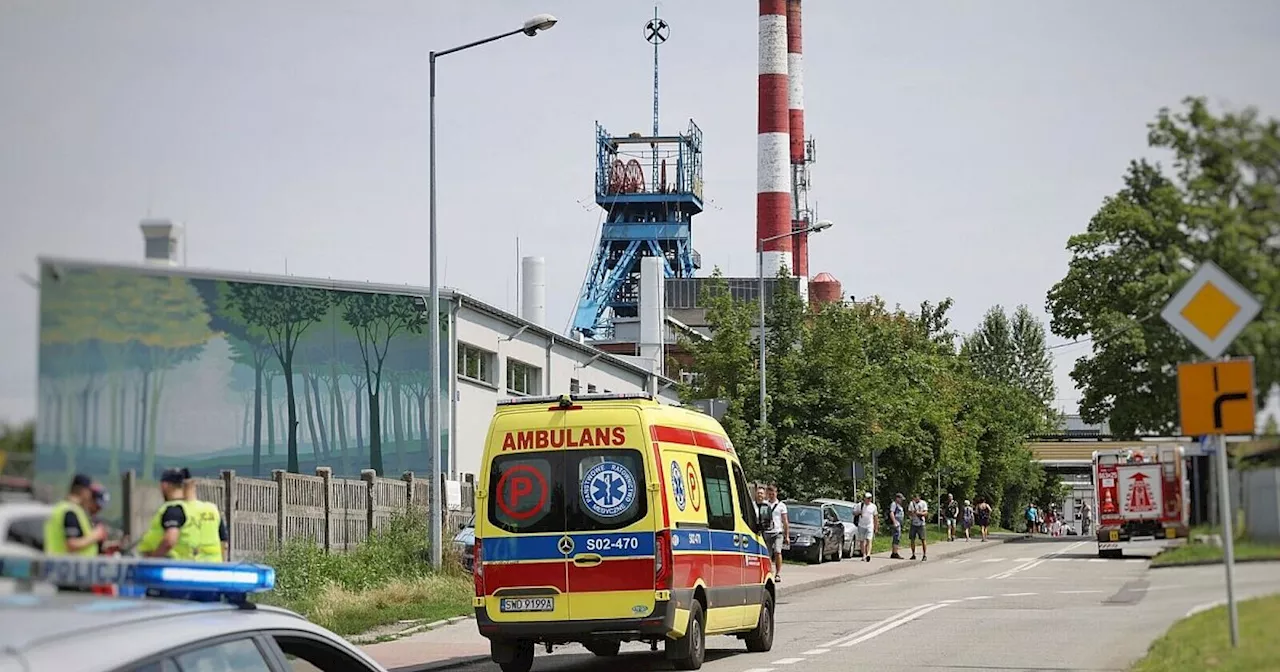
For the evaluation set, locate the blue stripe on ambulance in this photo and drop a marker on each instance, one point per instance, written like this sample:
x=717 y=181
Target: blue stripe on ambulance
x=613 y=545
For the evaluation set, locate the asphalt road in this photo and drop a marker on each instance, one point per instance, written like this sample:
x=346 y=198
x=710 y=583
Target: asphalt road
x=1028 y=605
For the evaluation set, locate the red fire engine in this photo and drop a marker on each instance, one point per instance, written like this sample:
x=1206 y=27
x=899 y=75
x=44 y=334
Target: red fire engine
x=1141 y=496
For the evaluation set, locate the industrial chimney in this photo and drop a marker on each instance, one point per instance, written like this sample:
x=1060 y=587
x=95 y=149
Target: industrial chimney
x=533 y=290
x=160 y=237
x=799 y=165
x=773 y=184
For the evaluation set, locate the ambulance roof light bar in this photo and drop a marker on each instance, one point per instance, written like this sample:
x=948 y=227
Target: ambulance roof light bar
x=230 y=580
x=569 y=399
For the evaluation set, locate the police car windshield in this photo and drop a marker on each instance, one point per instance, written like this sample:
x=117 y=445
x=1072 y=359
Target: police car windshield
x=567 y=491
x=805 y=515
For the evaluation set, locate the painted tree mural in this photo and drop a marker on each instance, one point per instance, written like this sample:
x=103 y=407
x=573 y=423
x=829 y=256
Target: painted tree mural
x=144 y=369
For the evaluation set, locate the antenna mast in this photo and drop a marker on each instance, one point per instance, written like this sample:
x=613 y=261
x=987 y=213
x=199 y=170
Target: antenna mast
x=655 y=33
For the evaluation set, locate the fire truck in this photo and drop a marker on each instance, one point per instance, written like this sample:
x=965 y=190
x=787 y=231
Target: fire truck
x=1141 y=495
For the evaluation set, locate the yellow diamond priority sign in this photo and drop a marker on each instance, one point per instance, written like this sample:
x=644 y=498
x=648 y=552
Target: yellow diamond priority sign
x=1211 y=310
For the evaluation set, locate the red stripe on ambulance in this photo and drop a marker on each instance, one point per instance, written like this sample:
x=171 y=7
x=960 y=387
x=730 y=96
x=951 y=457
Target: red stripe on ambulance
x=527 y=574
x=690 y=437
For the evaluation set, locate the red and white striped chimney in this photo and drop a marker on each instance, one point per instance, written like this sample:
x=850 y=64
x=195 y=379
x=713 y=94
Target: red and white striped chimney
x=773 y=184
x=795 y=98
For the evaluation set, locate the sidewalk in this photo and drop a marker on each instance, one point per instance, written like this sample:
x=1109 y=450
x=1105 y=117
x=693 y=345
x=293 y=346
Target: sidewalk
x=460 y=643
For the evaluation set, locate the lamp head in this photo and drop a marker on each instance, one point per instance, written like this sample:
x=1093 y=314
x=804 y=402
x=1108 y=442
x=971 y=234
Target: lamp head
x=538 y=23
x=821 y=226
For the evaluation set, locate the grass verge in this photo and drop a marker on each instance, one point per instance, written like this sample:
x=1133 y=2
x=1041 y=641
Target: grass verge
x=1203 y=641
x=386 y=579
x=1193 y=553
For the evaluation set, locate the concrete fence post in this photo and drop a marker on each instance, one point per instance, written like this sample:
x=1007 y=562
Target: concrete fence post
x=407 y=477
x=229 y=505
x=326 y=477
x=278 y=475
x=370 y=478
x=127 y=503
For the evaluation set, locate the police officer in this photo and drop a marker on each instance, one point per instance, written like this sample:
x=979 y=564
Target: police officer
x=68 y=531
x=211 y=537
x=173 y=530
x=97 y=502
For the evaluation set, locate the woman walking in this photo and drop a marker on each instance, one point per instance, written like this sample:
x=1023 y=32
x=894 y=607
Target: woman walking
x=966 y=518
x=984 y=516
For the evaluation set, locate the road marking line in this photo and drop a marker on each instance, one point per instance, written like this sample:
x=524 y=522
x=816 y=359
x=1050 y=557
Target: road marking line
x=950 y=601
x=994 y=560
x=1079 y=592
x=890 y=626
x=1204 y=607
x=1018 y=594
x=978 y=597
x=958 y=561
x=788 y=661
x=816 y=652
x=759 y=669
x=1063 y=559
x=840 y=640
x=1025 y=559
x=1034 y=562
x=1097 y=559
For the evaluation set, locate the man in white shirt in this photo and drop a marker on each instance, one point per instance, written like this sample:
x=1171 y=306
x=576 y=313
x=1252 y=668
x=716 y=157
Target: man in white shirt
x=919 y=512
x=868 y=520
x=778 y=534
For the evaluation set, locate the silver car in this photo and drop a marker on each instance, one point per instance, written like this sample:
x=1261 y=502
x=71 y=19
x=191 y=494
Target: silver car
x=81 y=632
x=847 y=512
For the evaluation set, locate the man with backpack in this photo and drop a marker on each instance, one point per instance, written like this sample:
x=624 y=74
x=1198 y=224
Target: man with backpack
x=952 y=511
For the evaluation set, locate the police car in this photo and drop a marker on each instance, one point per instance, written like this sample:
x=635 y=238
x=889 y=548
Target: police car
x=205 y=623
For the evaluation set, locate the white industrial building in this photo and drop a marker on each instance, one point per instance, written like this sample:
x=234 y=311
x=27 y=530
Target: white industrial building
x=495 y=354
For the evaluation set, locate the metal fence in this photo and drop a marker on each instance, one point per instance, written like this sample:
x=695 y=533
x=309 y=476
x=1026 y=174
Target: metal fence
x=334 y=513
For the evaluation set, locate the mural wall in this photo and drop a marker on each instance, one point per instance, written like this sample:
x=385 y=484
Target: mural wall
x=145 y=371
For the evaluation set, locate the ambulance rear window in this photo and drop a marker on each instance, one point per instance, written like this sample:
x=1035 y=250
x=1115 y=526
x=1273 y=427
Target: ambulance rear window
x=568 y=491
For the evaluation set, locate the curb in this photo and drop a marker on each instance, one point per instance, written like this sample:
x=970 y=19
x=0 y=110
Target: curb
x=366 y=640
x=1206 y=563
x=442 y=664
x=786 y=591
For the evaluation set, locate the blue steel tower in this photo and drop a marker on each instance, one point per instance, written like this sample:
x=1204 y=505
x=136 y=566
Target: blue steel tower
x=645 y=215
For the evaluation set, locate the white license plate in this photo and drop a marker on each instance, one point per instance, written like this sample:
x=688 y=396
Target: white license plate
x=516 y=604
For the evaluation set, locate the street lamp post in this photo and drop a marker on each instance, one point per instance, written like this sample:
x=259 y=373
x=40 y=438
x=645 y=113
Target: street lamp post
x=531 y=27
x=764 y=415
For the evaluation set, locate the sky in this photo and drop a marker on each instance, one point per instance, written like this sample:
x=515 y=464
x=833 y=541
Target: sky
x=959 y=144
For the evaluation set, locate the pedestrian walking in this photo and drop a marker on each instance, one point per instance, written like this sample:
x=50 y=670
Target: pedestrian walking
x=919 y=512
x=897 y=515
x=966 y=519
x=983 y=517
x=868 y=521
x=1032 y=516
x=778 y=535
x=952 y=510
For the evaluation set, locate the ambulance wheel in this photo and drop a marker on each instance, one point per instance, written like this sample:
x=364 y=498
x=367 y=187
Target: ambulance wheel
x=688 y=652
x=520 y=658
x=760 y=640
x=604 y=648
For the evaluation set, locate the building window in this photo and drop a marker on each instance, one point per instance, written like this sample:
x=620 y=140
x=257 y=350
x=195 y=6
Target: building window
x=475 y=364
x=574 y=386
x=522 y=379
x=591 y=389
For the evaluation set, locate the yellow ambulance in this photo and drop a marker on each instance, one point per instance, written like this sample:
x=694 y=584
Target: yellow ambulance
x=605 y=518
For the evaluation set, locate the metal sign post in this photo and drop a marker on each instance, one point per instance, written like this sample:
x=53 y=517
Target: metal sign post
x=1216 y=398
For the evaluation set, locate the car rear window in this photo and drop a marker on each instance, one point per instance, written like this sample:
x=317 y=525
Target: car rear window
x=568 y=491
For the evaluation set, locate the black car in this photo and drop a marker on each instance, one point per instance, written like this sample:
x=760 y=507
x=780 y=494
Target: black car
x=816 y=532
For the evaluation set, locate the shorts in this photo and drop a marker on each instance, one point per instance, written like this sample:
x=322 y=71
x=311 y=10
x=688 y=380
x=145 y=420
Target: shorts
x=917 y=532
x=951 y=522
x=897 y=535
x=864 y=534
x=774 y=541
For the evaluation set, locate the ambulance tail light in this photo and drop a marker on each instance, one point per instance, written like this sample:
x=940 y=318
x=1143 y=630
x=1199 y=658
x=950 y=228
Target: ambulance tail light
x=477 y=567
x=662 y=561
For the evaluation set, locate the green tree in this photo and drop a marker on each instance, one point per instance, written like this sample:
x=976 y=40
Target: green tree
x=283 y=313
x=1271 y=427
x=1219 y=204
x=376 y=319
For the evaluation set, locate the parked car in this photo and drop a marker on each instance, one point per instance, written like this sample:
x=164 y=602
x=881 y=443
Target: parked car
x=22 y=528
x=816 y=532
x=465 y=543
x=847 y=512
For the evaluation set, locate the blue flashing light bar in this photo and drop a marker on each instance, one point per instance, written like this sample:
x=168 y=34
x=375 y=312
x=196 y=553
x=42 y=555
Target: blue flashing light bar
x=160 y=575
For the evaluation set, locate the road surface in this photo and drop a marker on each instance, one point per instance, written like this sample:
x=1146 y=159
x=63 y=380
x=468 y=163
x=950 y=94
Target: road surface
x=1044 y=604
